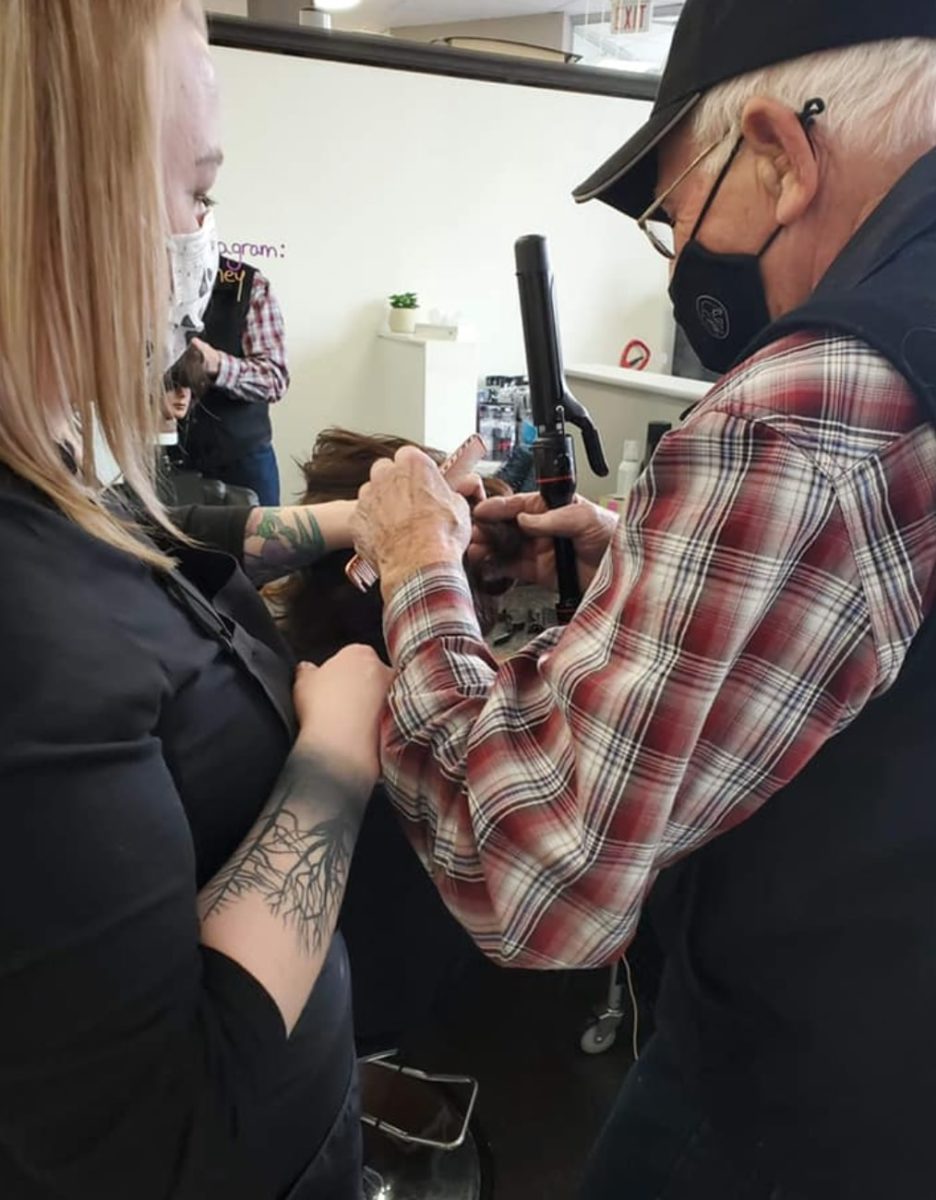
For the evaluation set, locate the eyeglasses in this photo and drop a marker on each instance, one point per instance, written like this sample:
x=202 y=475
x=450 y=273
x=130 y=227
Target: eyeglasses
x=656 y=223
x=662 y=237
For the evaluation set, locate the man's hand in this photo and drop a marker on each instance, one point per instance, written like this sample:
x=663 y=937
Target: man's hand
x=211 y=356
x=408 y=518
x=591 y=529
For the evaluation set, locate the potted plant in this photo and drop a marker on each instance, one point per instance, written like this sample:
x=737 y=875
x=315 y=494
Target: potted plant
x=403 y=309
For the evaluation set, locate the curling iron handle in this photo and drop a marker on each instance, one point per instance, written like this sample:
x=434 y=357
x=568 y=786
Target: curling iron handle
x=570 y=594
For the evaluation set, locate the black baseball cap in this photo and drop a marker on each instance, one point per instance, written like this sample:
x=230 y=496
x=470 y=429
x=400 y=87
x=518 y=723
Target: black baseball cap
x=718 y=40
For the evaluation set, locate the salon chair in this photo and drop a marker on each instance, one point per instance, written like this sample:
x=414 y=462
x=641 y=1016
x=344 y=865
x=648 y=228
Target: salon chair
x=422 y=1139
x=179 y=488
x=633 y=984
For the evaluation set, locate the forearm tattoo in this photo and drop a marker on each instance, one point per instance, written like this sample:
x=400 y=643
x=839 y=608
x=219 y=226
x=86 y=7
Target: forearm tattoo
x=297 y=856
x=280 y=540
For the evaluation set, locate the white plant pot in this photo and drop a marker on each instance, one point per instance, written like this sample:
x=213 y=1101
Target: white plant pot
x=403 y=320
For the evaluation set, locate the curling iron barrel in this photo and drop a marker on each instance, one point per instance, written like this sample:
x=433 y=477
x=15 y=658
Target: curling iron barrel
x=553 y=405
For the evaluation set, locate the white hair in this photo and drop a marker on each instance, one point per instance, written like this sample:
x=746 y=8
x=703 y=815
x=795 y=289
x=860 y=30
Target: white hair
x=880 y=99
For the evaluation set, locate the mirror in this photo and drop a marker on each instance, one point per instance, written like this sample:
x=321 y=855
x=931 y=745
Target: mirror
x=632 y=36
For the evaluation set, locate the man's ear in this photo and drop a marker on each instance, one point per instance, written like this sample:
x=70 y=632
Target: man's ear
x=788 y=162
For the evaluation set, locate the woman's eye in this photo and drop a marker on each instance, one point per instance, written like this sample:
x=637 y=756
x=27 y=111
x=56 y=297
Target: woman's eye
x=205 y=200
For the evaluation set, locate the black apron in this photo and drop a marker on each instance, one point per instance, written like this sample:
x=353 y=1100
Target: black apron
x=221 y=429
x=217 y=595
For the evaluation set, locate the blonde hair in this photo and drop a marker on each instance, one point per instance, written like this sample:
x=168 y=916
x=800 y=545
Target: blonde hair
x=880 y=98
x=83 y=270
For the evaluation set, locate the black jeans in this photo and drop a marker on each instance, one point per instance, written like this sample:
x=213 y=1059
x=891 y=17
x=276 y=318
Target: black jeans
x=658 y=1145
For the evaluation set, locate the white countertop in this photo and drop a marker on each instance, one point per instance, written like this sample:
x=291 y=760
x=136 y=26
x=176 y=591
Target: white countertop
x=671 y=386
x=415 y=339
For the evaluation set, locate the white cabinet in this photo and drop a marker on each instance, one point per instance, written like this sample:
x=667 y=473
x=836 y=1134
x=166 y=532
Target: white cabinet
x=428 y=389
x=622 y=404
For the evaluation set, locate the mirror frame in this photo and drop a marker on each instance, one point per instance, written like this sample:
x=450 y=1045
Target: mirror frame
x=396 y=54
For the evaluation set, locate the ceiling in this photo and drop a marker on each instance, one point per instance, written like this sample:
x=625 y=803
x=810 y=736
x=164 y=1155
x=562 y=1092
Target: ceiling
x=398 y=14
x=590 y=37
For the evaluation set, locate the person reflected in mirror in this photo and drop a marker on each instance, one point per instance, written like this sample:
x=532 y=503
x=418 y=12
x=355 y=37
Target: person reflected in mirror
x=229 y=435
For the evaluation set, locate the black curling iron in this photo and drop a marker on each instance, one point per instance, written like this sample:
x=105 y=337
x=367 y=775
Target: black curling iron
x=553 y=406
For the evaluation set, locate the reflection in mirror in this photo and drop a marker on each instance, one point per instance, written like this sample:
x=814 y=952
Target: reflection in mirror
x=628 y=35
x=621 y=35
x=490 y=45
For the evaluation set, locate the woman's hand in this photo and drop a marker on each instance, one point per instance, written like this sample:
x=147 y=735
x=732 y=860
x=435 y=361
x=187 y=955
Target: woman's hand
x=590 y=527
x=339 y=706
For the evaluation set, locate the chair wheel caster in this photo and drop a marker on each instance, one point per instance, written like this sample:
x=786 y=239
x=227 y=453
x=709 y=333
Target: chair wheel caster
x=600 y=1036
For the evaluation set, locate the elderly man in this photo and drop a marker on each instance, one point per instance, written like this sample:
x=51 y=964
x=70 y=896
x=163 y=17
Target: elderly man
x=737 y=727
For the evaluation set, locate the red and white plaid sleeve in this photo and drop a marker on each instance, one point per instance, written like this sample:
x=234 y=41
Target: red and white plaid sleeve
x=262 y=375
x=765 y=583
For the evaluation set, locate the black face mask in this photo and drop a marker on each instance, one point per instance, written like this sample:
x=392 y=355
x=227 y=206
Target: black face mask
x=719 y=299
x=720 y=302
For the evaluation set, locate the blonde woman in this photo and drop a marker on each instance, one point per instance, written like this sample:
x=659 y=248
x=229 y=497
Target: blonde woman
x=174 y=1011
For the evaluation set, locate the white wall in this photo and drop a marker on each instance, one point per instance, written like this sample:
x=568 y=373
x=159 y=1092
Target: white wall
x=366 y=182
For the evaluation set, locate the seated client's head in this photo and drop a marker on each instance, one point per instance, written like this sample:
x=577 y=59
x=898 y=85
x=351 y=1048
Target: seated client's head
x=319 y=609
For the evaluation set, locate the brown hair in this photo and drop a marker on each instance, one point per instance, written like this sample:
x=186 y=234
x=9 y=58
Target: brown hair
x=83 y=272
x=190 y=371
x=319 y=610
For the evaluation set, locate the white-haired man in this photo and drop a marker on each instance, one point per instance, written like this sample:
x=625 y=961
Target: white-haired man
x=737 y=727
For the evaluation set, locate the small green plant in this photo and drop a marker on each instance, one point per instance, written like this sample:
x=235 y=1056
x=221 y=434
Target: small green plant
x=404 y=300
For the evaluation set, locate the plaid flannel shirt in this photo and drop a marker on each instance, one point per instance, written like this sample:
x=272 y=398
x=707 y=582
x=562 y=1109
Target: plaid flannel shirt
x=262 y=375
x=773 y=566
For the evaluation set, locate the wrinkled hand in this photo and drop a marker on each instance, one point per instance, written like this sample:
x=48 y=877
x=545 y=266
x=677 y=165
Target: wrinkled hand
x=408 y=518
x=591 y=529
x=211 y=356
x=338 y=706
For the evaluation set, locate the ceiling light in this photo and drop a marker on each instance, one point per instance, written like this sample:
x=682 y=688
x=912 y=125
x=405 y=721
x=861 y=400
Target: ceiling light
x=633 y=65
x=317 y=14
x=333 y=6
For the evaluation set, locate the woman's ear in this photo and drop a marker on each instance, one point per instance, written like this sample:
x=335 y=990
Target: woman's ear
x=787 y=161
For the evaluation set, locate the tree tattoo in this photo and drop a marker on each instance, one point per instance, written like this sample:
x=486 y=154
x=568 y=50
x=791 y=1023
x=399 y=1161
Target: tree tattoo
x=296 y=857
x=279 y=541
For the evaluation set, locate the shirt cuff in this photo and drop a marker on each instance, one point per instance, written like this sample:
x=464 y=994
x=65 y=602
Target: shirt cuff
x=228 y=371
x=434 y=603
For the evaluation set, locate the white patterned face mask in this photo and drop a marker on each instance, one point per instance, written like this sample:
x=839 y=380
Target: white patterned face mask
x=193 y=267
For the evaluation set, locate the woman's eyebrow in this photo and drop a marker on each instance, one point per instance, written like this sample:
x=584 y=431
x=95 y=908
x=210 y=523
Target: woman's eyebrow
x=213 y=158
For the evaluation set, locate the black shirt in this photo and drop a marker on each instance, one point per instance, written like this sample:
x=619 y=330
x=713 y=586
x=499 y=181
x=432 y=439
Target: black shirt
x=137 y=747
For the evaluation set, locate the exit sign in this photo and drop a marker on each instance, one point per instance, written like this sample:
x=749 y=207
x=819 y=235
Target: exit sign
x=631 y=16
